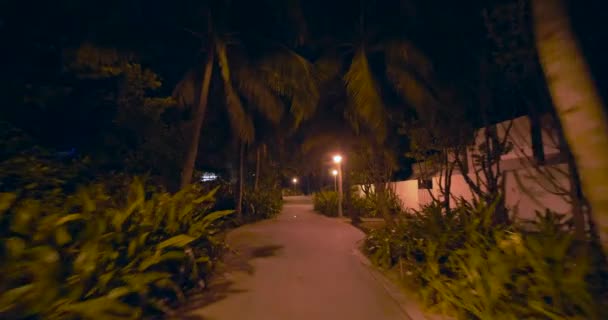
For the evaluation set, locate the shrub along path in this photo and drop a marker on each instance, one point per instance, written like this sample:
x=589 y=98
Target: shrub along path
x=300 y=265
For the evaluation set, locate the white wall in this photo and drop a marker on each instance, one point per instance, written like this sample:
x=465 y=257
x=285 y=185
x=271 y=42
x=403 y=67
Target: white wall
x=529 y=190
x=407 y=191
x=526 y=189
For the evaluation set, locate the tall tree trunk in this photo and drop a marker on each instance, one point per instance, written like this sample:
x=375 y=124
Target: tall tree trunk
x=239 y=204
x=199 y=116
x=257 y=168
x=348 y=196
x=577 y=103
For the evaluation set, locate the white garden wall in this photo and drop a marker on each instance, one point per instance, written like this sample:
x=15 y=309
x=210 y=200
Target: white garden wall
x=528 y=188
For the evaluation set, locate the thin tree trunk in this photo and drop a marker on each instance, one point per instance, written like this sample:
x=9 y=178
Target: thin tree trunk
x=348 y=197
x=239 y=204
x=536 y=136
x=381 y=195
x=199 y=116
x=577 y=102
x=257 y=169
x=448 y=185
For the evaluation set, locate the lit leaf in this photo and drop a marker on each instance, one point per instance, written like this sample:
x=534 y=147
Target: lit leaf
x=62 y=236
x=364 y=93
x=6 y=201
x=241 y=122
x=176 y=241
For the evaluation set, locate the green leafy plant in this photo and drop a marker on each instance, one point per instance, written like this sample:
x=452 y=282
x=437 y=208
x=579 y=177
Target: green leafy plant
x=326 y=202
x=261 y=204
x=99 y=255
x=464 y=264
x=366 y=204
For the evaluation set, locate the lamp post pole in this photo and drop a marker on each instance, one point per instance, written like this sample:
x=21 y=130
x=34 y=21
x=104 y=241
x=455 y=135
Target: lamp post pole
x=338 y=160
x=335 y=174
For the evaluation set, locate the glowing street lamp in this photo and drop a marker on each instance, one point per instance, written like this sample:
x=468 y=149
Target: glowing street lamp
x=294 y=181
x=338 y=160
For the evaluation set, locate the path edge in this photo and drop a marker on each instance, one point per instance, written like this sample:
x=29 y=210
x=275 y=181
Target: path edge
x=412 y=309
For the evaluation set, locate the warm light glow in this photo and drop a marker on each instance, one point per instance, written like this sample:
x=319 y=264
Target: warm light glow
x=334 y=172
x=295 y=180
x=337 y=158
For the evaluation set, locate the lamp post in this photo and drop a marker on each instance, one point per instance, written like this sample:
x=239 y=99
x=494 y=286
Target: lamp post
x=338 y=160
x=295 y=181
x=334 y=173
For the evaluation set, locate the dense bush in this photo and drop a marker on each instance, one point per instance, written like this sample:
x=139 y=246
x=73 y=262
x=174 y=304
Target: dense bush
x=326 y=203
x=463 y=264
x=261 y=204
x=289 y=192
x=366 y=205
x=93 y=254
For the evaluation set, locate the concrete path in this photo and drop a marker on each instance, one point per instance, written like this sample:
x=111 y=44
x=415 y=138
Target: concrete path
x=299 y=266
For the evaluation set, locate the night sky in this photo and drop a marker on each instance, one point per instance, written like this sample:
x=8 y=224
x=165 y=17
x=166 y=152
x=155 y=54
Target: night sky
x=35 y=34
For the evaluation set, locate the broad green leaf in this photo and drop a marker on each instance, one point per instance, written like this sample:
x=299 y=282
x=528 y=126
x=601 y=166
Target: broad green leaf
x=46 y=255
x=100 y=308
x=6 y=201
x=176 y=241
x=105 y=279
x=24 y=215
x=15 y=247
x=118 y=293
x=69 y=218
x=207 y=197
x=141 y=281
x=62 y=236
x=212 y=217
x=87 y=259
x=131 y=248
x=9 y=298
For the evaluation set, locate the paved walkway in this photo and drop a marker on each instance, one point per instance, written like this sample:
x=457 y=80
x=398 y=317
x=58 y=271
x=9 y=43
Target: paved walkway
x=299 y=266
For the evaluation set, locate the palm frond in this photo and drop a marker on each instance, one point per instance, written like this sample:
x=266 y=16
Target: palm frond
x=241 y=122
x=409 y=71
x=252 y=87
x=290 y=75
x=363 y=91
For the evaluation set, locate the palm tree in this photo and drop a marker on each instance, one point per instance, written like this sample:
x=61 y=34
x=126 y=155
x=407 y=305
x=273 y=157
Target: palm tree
x=263 y=84
x=576 y=101
x=407 y=71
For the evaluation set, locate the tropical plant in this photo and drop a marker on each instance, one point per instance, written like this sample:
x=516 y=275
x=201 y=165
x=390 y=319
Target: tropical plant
x=99 y=255
x=326 y=202
x=264 y=83
x=261 y=204
x=366 y=204
x=365 y=66
x=463 y=264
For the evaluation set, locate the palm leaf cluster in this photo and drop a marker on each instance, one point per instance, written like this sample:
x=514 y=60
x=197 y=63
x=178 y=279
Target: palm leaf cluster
x=278 y=85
